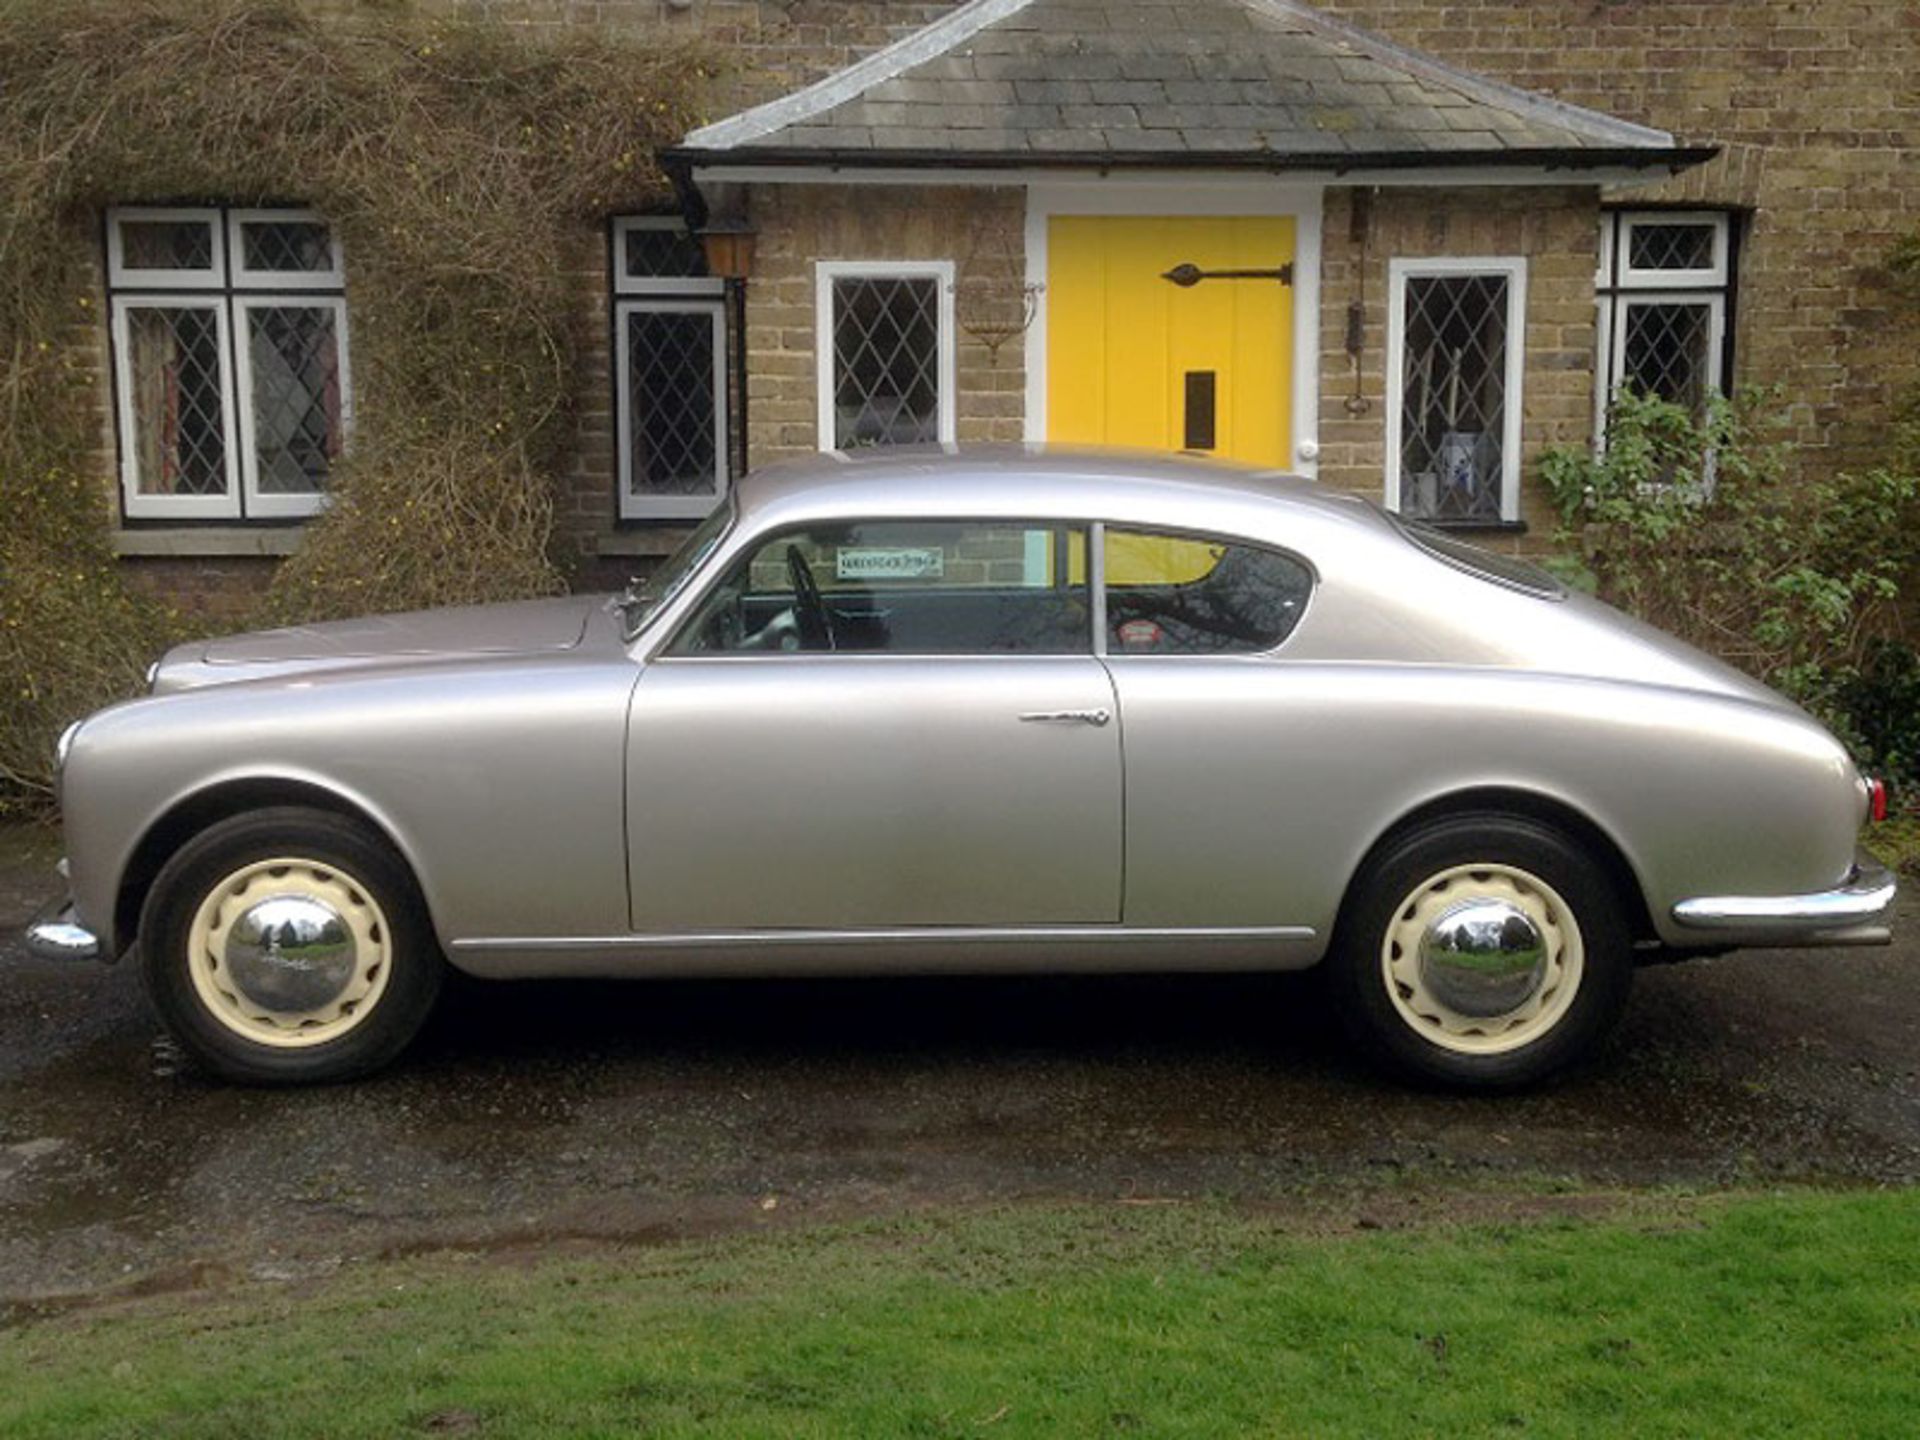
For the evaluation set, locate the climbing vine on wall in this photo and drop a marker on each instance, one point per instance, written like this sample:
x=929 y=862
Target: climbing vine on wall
x=461 y=163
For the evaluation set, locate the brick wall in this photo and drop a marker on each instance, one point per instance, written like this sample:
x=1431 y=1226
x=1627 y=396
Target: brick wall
x=584 y=507
x=980 y=230
x=1813 y=99
x=1816 y=102
x=1557 y=230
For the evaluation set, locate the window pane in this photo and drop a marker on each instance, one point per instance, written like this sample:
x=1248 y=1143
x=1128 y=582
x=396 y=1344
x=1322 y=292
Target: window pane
x=166 y=244
x=671 y=400
x=905 y=588
x=294 y=355
x=660 y=253
x=298 y=246
x=1173 y=595
x=173 y=366
x=886 y=361
x=1668 y=351
x=1678 y=246
x=1453 y=397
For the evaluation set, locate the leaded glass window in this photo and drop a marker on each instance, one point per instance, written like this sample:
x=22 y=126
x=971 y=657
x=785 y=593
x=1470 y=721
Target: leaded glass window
x=284 y=251
x=1666 y=249
x=173 y=402
x=1685 y=245
x=662 y=252
x=672 y=391
x=168 y=245
x=1665 y=287
x=672 y=406
x=886 y=350
x=657 y=255
x=294 y=381
x=165 y=248
x=1457 y=335
x=1666 y=349
x=233 y=403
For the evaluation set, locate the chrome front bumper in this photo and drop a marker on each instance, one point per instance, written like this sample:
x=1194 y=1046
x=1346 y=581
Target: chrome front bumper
x=53 y=934
x=1853 y=913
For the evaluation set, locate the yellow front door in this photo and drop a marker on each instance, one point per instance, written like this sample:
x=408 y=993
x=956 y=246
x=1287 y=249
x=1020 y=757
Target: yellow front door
x=1136 y=359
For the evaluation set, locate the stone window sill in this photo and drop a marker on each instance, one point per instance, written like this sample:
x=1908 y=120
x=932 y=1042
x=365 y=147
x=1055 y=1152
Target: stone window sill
x=193 y=541
x=1479 y=527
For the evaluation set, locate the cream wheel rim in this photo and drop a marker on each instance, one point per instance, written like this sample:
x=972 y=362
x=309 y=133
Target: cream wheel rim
x=1434 y=912
x=289 y=952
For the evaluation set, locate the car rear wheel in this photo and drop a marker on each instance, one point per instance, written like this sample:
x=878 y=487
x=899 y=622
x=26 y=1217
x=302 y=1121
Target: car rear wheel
x=1483 y=952
x=289 y=946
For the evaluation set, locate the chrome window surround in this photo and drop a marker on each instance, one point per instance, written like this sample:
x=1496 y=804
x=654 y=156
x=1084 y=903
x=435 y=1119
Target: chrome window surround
x=664 y=648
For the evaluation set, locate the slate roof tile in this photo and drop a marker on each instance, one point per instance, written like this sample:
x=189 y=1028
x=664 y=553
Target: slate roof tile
x=1263 y=79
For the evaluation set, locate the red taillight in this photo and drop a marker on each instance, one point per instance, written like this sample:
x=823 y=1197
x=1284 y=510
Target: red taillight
x=1877 y=800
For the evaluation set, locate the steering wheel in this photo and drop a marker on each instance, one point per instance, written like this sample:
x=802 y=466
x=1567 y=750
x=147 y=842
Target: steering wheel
x=810 y=611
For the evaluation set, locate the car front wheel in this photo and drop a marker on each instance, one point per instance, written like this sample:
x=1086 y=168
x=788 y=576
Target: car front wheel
x=289 y=946
x=1481 y=951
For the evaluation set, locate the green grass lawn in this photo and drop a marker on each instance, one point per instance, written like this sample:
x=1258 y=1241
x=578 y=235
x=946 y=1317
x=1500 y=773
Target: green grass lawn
x=1775 y=1315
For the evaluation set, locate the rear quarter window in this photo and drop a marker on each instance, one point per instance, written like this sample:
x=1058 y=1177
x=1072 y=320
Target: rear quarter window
x=1188 y=595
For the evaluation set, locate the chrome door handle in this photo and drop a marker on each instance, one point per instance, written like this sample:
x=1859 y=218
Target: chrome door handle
x=1082 y=717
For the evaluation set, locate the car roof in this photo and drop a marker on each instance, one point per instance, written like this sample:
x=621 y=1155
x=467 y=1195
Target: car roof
x=1039 y=481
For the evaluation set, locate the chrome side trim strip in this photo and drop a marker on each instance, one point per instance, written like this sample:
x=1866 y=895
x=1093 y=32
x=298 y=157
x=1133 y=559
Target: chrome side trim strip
x=1867 y=893
x=954 y=934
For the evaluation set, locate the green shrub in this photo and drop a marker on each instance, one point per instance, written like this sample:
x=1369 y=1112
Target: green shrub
x=1692 y=523
x=465 y=165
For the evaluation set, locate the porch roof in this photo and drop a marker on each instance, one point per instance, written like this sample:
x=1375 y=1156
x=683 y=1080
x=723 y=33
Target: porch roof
x=1253 y=84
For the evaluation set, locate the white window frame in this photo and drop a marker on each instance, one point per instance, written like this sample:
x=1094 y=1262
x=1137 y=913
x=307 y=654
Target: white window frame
x=120 y=275
x=625 y=284
x=668 y=507
x=141 y=506
x=1513 y=268
x=249 y=279
x=1632 y=277
x=941 y=272
x=1619 y=285
x=258 y=503
x=1616 y=329
x=228 y=289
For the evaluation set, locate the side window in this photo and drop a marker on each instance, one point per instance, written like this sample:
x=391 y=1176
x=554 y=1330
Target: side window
x=1177 y=595
x=903 y=587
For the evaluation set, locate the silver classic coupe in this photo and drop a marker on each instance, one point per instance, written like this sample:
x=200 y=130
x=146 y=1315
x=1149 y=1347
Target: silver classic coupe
x=990 y=710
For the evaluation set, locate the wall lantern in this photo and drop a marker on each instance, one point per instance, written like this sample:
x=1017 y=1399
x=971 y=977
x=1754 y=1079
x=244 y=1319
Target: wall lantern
x=729 y=248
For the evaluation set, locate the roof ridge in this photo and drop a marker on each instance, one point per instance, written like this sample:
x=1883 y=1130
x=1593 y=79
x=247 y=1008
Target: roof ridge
x=1477 y=87
x=927 y=43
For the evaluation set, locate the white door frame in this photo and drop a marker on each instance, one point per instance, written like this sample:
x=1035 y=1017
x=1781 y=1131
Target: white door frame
x=1127 y=195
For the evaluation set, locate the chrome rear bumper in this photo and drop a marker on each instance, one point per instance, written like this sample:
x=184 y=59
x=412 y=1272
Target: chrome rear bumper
x=1852 y=913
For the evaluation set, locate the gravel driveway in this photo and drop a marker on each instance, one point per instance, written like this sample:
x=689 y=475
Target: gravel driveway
x=537 y=1113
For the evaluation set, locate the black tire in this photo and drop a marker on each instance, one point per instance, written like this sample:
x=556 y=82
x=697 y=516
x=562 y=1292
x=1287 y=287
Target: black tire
x=331 y=841
x=1361 y=988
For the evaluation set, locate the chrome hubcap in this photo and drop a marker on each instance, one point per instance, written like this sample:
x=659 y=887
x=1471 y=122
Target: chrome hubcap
x=289 y=952
x=1483 y=958
x=292 y=954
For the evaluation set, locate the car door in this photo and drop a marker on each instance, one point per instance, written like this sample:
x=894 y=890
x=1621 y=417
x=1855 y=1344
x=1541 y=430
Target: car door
x=880 y=725
x=1213 y=835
